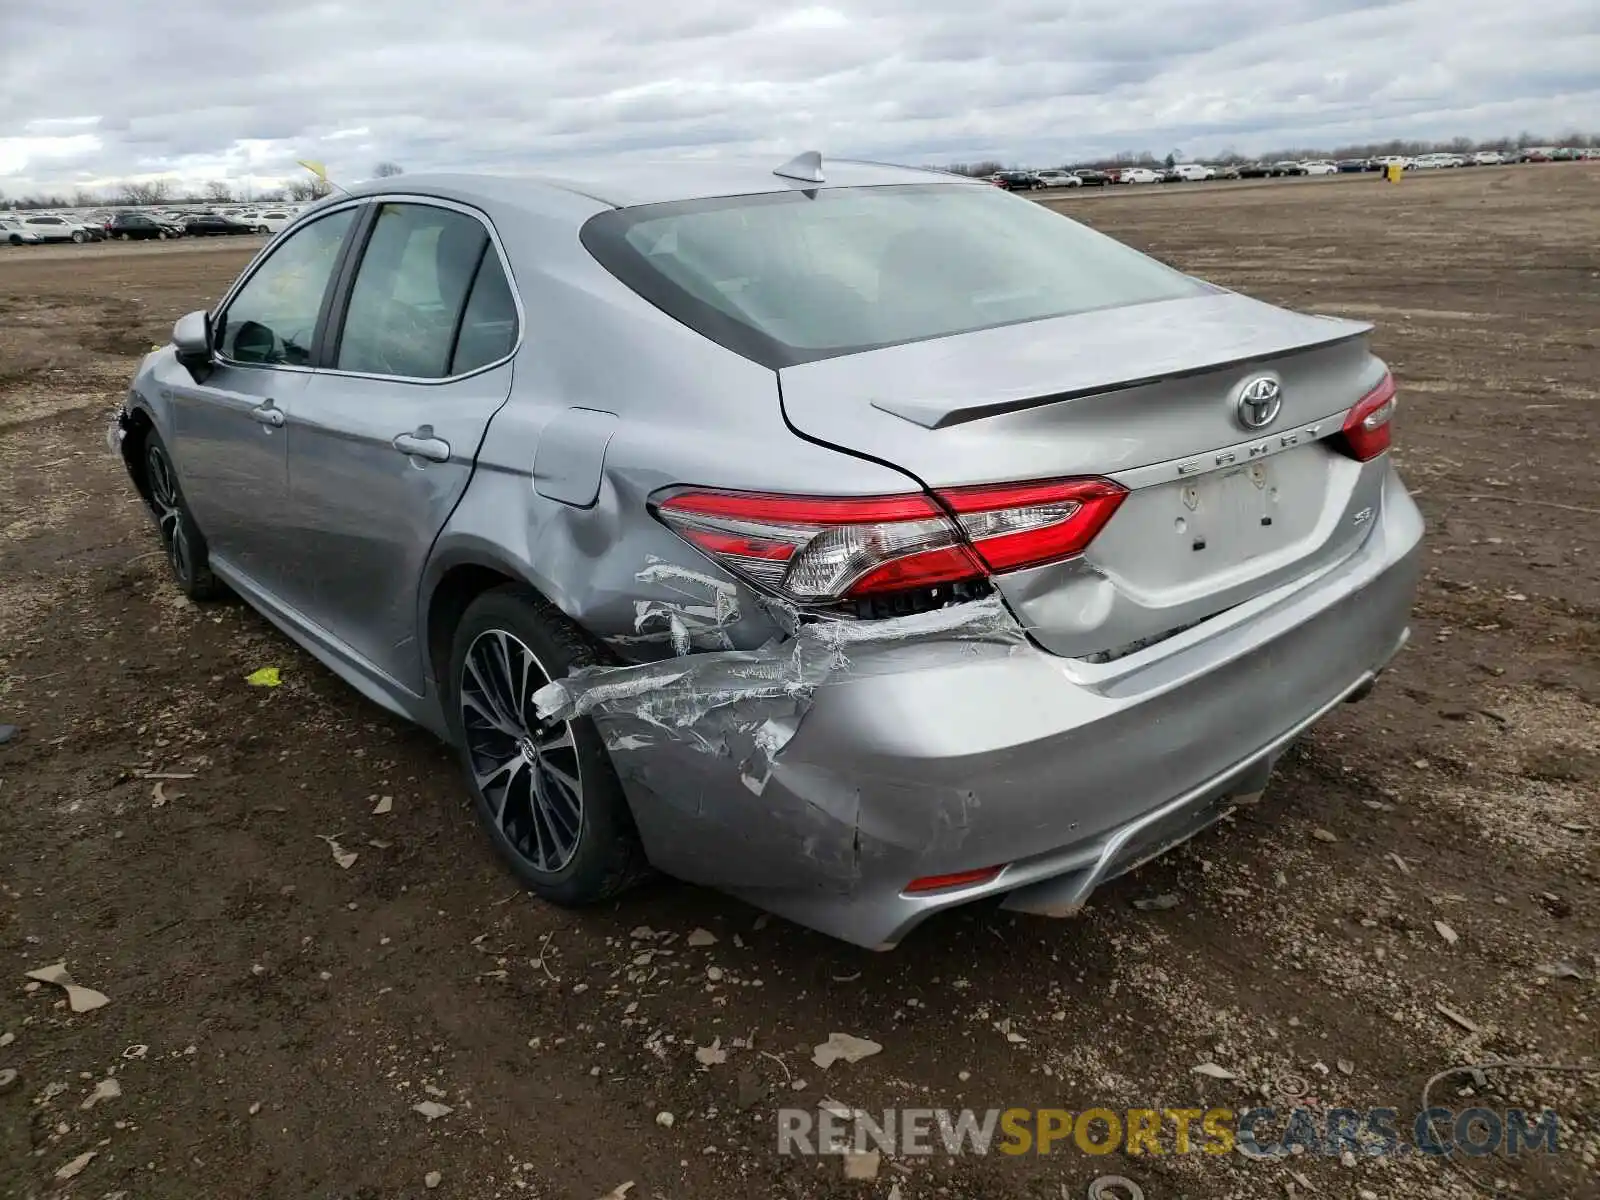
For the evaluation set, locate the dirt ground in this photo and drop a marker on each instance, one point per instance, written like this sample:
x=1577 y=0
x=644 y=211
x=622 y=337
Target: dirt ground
x=273 y=1018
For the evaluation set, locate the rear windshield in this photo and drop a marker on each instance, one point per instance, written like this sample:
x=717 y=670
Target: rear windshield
x=791 y=277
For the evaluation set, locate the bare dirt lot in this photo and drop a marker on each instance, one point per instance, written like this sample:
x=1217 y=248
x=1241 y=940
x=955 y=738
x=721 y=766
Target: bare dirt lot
x=273 y=1018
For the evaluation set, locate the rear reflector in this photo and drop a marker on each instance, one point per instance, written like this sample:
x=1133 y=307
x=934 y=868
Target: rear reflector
x=1366 y=431
x=940 y=883
x=824 y=549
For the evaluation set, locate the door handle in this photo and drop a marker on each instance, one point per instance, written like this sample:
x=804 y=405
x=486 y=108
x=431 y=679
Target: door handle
x=267 y=414
x=422 y=444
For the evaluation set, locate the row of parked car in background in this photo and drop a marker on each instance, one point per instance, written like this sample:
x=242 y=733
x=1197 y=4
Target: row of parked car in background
x=1029 y=181
x=135 y=225
x=35 y=228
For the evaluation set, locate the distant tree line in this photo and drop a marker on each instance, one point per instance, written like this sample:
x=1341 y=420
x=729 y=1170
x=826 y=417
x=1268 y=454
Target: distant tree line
x=1409 y=148
x=145 y=193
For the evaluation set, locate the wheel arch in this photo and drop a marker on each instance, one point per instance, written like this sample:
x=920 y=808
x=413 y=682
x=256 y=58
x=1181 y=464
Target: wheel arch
x=445 y=604
x=137 y=425
x=455 y=577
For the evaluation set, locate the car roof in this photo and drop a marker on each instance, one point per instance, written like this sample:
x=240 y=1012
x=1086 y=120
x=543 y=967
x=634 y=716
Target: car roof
x=626 y=184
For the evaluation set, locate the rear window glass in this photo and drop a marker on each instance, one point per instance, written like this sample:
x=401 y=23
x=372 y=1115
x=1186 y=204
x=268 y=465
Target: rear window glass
x=792 y=277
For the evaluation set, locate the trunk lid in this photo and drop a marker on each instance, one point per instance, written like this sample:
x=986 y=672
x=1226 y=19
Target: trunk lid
x=1148 y=395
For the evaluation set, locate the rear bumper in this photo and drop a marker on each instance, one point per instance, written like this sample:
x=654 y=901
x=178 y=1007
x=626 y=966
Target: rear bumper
x=1062 y=883
x=937 y=758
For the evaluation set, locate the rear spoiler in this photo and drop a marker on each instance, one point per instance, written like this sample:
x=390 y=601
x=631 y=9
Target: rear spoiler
x=1126 y=347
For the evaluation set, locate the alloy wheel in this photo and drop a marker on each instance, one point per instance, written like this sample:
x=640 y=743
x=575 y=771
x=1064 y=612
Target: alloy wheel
x=527 y=770
x=168 y=504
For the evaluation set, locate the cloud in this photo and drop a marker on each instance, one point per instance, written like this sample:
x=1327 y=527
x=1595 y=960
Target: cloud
x=505 y=85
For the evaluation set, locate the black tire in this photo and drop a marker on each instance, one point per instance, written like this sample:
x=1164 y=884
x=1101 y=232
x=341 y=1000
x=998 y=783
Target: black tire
x=532 y=819
x=180 y=536
x=79 y=237
x=123 y=237
x=161 y=234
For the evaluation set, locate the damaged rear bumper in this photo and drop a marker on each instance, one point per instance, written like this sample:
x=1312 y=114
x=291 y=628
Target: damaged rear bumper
x=893 y=761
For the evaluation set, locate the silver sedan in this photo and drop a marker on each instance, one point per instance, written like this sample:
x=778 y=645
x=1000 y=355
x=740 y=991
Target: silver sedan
x=859 y=540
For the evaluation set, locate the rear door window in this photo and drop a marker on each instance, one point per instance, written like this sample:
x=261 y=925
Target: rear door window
x=411 y=291
x=489 y=325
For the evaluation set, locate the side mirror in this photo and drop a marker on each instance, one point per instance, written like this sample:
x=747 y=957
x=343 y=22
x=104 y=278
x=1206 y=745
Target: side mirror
x=191 y=337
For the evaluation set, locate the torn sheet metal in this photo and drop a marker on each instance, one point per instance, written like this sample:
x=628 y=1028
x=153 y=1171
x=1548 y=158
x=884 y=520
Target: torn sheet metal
x=678 y=693
x=769 y=737
x=699 y=622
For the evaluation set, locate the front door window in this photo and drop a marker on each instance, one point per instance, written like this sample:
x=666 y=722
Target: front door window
x=272 y=320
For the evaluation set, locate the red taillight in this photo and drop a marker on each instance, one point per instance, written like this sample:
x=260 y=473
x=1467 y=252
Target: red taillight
x=923 y=569
x=1024 y=524
x=1366 y=430
x=821 y=549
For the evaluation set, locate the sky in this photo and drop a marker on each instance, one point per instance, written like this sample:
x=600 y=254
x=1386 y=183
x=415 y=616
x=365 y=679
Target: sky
x=92 y=93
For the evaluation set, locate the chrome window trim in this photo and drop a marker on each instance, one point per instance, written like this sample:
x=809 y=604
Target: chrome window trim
x=505 y=266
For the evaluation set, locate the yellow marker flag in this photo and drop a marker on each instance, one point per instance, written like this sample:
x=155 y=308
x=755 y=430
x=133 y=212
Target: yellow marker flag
x=316 y=168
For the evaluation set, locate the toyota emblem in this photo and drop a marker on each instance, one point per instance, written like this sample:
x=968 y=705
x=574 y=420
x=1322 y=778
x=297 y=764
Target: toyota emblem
x=1260 y=401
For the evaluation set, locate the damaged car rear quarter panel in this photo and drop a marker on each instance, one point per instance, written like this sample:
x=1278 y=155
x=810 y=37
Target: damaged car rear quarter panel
x=585 y=558
x=647 y=597
x=714 y=752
